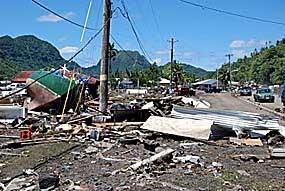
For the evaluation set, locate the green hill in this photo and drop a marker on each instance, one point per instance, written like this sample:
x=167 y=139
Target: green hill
x=266 y=66
x=124 y=60
x=31 y=53
x=192 y=70
x=26 y=53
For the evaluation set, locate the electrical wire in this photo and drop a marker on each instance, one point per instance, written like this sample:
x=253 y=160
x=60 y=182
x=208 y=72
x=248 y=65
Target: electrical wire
x=155 y=21
x=232 y=13
x=74 y=23
x=69 y=60
x=60 y=16
x=114 y=39
x=127 y=16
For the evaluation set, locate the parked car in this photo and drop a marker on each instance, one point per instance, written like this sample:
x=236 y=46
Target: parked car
x=185 y=91
x=245 y=91
x=264 y=94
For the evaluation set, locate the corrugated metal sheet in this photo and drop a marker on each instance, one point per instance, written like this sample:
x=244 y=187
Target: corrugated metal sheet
x=235 y=120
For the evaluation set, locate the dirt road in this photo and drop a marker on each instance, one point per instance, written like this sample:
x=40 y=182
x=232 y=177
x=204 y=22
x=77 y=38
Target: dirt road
x=228 y=102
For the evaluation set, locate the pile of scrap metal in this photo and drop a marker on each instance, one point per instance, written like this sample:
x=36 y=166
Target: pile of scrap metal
x=226 y=122
x=142 y=109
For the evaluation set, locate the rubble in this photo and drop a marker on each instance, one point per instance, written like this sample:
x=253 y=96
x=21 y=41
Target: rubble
x=153 y=158
x=198 y=129
x=121 y=150
x=278 y=153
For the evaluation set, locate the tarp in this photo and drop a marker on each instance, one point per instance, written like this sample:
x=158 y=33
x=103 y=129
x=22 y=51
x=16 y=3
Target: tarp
x=198 y=129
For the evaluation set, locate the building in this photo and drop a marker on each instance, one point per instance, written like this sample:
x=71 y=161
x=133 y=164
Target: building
x=164 y=82
x=208 y=85
x=22 y=77
x=126 y=83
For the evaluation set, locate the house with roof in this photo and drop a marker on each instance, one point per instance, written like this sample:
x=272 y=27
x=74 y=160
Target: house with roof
x=126 y=83
x=164 y=82
x=22 y=77
x=208 y=85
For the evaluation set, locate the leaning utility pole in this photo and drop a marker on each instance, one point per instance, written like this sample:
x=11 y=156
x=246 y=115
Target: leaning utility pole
x=171 y=60
x=104 y=57
x=229 y=56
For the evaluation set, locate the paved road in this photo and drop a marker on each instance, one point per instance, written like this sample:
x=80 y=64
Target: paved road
x=277 y=103
x=228 y=102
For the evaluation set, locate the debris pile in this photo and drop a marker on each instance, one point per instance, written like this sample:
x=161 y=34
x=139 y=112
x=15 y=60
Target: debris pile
x=138 y=145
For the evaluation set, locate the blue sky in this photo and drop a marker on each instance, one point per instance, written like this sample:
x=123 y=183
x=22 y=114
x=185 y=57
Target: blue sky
x=204 y=37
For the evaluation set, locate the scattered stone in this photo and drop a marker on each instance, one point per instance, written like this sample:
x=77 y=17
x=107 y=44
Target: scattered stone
x=91 y=149
x=243 y=173
x=188 y=158
x=48 y=181
x=217 y=164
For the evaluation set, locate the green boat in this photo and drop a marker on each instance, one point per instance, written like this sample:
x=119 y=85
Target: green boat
x=50 y=91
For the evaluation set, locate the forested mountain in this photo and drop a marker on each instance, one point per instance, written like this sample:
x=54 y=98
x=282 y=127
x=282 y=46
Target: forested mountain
x=266 y=66
x=30 y=53
x=122 y=61
x=191 y=70
x=26 y=53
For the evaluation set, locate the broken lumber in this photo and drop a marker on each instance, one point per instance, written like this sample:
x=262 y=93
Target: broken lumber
x=278 y=153
x=153 y=158
x=9 y=136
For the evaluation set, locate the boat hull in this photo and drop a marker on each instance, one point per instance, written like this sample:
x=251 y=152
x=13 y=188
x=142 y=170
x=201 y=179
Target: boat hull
x=50 y=92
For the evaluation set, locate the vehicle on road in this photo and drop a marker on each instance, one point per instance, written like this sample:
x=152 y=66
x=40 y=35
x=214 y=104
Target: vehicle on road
x=185 y=91
x=245 y=91
x=264 y=95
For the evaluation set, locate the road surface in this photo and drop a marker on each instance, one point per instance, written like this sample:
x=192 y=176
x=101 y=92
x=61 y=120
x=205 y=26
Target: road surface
x=277 y=102
x=228 y=102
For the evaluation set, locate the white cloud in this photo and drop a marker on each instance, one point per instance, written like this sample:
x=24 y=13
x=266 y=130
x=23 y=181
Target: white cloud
x=68 y=49
x=157 y=60
x=164 y=51
x=53 y=18
x=240 y=53
x=246 y=44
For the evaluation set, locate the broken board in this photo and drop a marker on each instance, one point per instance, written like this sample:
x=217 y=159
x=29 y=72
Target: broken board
x=198 y=129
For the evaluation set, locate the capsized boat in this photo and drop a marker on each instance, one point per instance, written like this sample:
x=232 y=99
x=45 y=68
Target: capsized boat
x=50 y=91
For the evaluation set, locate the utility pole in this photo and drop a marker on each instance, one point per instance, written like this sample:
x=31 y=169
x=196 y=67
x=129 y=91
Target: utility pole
x=229 y=56
x=172 y=41
x=217 y=78
x=104 y=57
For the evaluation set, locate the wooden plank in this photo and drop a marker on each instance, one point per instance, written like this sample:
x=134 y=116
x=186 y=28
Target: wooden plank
x=153 y=158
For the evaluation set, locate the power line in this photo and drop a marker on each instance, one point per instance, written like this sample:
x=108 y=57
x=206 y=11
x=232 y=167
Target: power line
x=155 y=20
x=69 y=60
x=60 y=16
x=114 y=39
x=232 y=13
x=127 y=16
